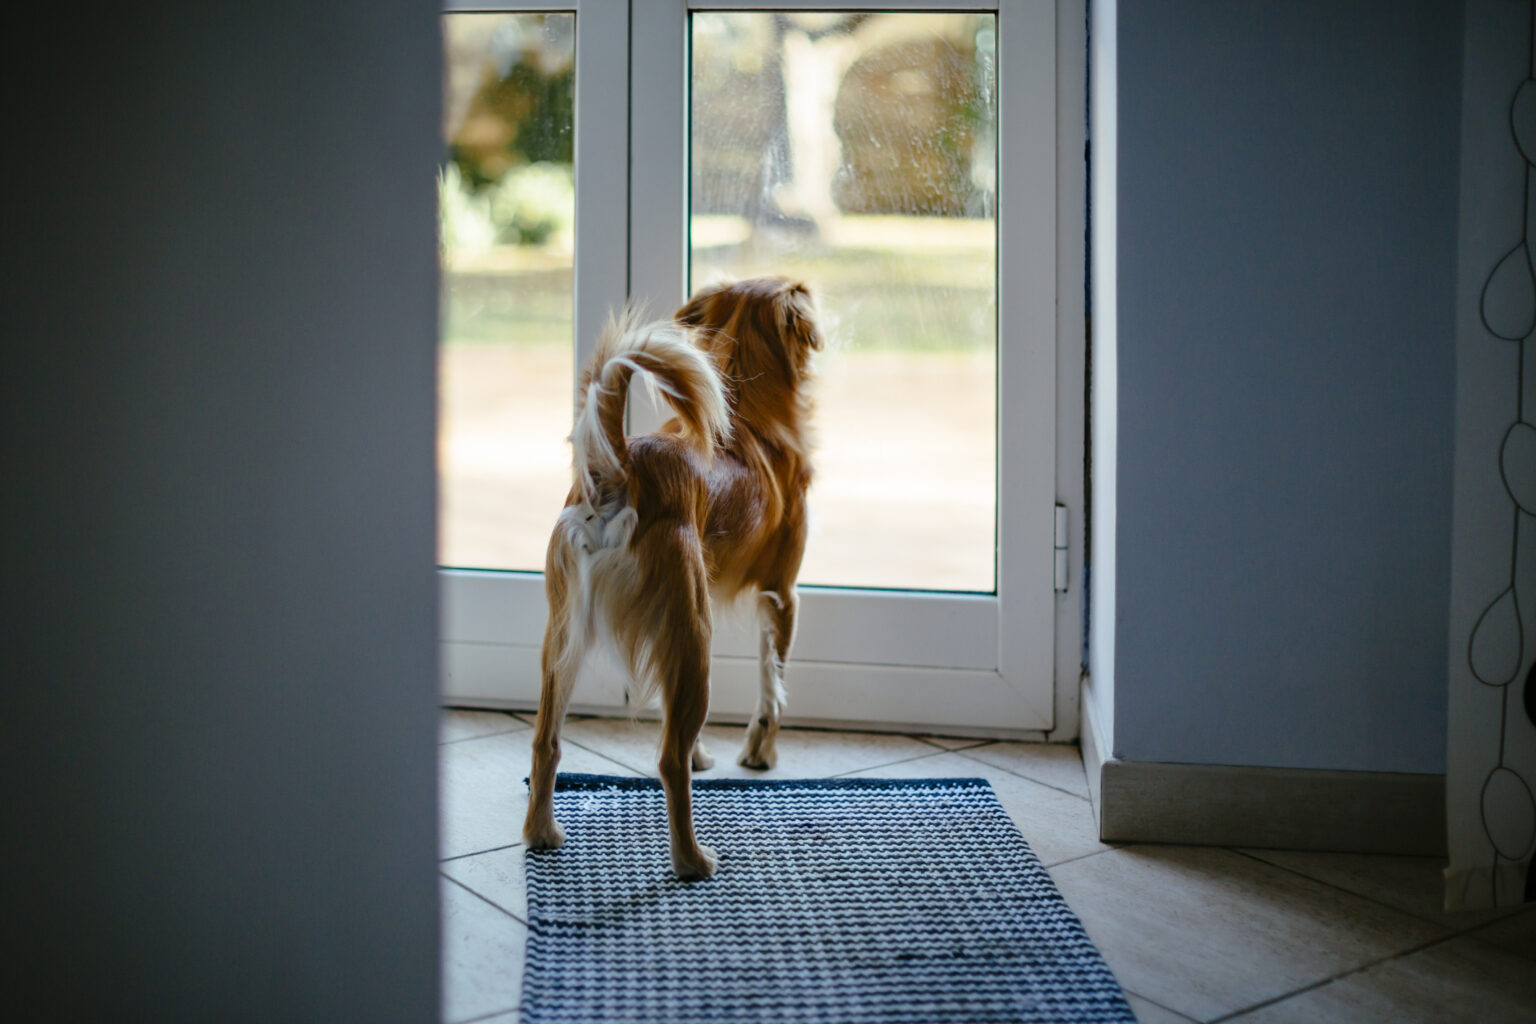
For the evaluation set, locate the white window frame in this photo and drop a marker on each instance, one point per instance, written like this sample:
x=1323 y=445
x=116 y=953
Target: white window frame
x=984 y=664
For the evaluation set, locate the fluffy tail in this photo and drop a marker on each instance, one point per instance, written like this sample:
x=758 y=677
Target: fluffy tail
x=684 y=376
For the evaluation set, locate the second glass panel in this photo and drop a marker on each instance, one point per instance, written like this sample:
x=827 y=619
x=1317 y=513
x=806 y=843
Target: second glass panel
x=857 y=153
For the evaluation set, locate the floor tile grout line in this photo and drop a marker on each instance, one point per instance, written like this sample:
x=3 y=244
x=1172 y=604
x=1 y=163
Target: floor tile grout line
x=520 y=727
x=887 y=764
x=1021 y=775
x=1344 y=889
x=927 y=740
x=1471 y=932
x=606 y=757
x=1081 y=856
x=476 y=853
x=487 y=1016
x=1340 y=976
x=489 y=902
x=1166 y=1009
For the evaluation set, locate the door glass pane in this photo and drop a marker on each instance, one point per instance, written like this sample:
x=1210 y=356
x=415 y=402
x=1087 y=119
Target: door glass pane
x=507 y=207
x=857 y=153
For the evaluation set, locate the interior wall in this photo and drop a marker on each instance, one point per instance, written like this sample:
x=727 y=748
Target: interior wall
x=218 y=735
x=1286 y=190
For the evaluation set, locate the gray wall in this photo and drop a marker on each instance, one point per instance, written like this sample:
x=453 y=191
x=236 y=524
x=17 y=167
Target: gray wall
x=1287 y=197
x=220 y=616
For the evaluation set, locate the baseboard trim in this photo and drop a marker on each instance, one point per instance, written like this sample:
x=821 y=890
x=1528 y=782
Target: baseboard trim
x=1264 y=808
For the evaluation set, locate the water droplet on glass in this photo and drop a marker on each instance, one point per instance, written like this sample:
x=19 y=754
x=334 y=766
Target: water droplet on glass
x=1509 y=297
x=1509 y=814
x=1522 y=119
x=1517 y=462
x=1497 y=648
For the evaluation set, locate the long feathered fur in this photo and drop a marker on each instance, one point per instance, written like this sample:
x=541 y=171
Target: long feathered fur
x=682 y=374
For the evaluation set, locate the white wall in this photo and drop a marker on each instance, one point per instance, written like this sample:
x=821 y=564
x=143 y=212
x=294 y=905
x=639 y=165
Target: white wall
x=1282 y=361
x=218 y=727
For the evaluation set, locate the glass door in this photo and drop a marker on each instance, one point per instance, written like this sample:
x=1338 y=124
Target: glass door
x=507 y=216
x=899 y=159
x=858 y=152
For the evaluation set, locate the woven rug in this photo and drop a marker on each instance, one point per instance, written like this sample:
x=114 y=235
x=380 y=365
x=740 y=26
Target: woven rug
x=836 y=900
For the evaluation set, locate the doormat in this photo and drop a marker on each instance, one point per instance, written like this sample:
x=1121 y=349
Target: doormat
x=835 y=900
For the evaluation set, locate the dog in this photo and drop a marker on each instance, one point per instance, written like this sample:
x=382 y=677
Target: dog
x=710 y=506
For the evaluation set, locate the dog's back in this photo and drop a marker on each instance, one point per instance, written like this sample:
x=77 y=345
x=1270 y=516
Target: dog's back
x=760 y=333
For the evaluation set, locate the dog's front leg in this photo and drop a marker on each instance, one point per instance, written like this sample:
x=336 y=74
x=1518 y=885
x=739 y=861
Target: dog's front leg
x=776 y=617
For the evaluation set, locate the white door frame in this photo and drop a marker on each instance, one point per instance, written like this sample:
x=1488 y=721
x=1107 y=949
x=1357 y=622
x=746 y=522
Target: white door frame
x=963 y=663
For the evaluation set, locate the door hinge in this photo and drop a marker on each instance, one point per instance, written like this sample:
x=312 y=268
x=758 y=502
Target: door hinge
x=1061 y=549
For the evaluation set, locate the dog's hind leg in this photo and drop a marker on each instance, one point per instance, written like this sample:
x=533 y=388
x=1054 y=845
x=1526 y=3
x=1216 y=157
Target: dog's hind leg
x=687 y=703
x=776 y=618
x=679 y=656
x=560 y=661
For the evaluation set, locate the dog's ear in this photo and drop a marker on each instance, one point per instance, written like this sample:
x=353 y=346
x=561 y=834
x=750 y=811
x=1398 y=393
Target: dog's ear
x=797 y=322
x=697 y=311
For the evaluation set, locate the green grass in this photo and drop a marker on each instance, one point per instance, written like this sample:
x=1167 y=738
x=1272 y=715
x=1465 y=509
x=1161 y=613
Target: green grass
x=880 y=300
x=519 y=307
x=941 y=299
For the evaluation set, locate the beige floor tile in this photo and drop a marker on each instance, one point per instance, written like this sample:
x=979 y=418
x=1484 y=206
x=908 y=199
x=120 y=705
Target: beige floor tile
x=1148 y=1012
x=1055 y=764
x=464 y=724
x=497 y=875
x=803 y=753
x=1414 y=884
x=1455 y=982
x=1515 y=934
x=1207 y=931
x=483 y=796
x=1057 y=827
x=482 y=956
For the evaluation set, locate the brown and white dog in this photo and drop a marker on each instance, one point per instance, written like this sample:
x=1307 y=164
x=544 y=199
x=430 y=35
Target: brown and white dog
x=712 y=505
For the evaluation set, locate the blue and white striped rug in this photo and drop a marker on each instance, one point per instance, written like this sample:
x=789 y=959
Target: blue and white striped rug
x=836 y=900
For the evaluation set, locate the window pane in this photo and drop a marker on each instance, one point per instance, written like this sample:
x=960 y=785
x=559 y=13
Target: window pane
x=857 y=152
x=507 y=210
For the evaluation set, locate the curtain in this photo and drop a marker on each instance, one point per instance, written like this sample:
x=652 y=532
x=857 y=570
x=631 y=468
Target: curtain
x=1491 y=713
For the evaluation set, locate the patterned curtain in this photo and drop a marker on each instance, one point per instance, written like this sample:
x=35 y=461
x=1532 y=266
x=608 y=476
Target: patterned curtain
x=1491 y=762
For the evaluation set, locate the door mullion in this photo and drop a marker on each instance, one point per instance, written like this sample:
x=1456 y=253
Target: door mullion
x=602 y=155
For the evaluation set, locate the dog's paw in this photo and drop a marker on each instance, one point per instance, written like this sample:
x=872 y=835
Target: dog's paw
x=753 y=756
x=703 y=760
x=691 y=869
x=550 y=836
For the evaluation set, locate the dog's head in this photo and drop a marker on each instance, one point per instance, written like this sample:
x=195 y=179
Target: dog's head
x=760 y=330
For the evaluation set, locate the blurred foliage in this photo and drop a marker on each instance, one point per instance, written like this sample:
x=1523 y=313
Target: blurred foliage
x=533 y=203
x=463 y=218
x=907 y=116
x=911 y=115
x=523 y=115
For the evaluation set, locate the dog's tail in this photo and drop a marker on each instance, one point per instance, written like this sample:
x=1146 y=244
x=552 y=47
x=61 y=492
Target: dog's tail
x=680 y=371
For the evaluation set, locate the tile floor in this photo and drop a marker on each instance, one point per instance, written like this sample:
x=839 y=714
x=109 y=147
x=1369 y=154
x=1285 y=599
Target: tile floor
x=1192 y=933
